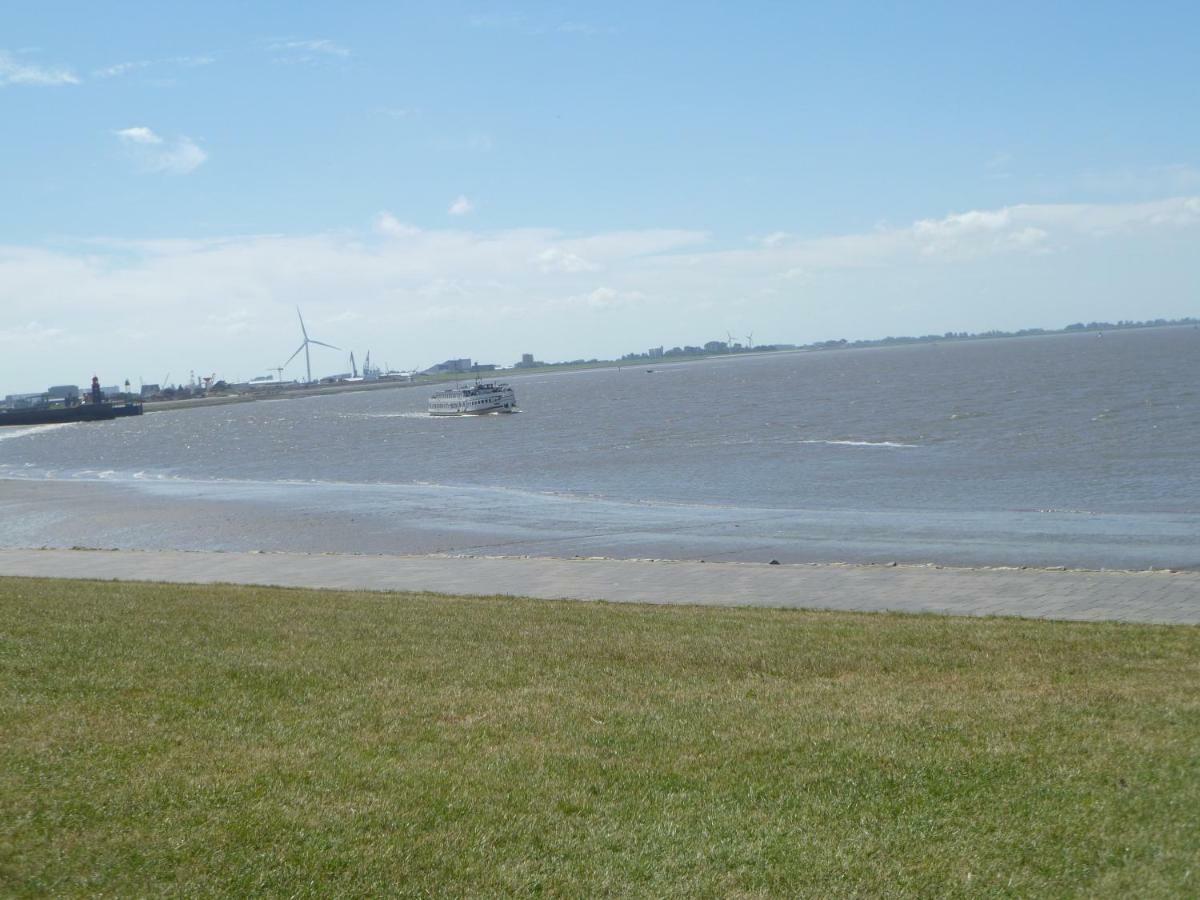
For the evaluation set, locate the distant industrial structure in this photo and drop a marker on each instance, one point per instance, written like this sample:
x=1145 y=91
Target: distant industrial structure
x=59 y=395
x=459 y=367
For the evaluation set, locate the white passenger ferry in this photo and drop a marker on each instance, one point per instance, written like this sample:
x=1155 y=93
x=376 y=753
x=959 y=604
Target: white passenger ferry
x=481 y=397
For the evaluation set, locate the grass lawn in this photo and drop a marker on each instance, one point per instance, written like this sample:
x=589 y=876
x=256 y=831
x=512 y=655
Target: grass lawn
x=236 y=741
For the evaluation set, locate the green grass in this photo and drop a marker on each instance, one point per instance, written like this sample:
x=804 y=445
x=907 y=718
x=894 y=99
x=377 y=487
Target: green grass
x=236 y=741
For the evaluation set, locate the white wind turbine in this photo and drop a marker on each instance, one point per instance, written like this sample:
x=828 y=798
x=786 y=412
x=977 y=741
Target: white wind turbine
x=304 y=347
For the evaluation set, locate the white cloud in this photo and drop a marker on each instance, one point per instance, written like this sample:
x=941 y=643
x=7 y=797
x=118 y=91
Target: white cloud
x=386 y=223
x=559 y=259
x=975 y=232
x=231 y=322
x=609 y=298
x=14 y=71
x=461 y=206
x=139 y=134
x=177 y=157
x=416 y=295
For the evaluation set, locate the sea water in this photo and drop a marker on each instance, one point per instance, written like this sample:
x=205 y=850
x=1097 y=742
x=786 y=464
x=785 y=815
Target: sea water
x=1076 y=450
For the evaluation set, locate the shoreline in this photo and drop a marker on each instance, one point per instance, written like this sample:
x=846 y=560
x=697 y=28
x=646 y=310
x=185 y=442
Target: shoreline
x=1153 y=597
x=298 y=391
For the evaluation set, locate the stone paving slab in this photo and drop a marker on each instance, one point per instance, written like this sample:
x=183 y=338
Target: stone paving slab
x=1162 y=597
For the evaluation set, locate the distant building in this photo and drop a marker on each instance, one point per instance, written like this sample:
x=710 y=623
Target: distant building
x=150 y=390
x=63 y=392
x=457 y=366
x=527 y=359
x=655 y=352
x=24 y=401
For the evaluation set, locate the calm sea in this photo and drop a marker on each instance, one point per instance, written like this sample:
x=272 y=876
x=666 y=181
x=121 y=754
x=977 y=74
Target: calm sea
x=1076 y=450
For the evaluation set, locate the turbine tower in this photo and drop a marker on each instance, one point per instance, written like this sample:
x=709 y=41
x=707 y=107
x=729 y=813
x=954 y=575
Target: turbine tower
x=750 y=341
x=304 y=347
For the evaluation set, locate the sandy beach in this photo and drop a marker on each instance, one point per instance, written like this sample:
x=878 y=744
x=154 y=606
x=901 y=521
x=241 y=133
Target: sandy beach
x=1148 y=597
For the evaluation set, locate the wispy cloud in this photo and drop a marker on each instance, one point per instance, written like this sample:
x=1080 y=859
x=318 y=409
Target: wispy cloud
x=586 y=28
x=31 y=332
x=116 y=70
x=156 y=154
x=471 y=143
x=1142 y=181
x=998 y=165
x=307 y=50
x=16 y=71
x=398 y=112
x=519 y=22
x=461 y=206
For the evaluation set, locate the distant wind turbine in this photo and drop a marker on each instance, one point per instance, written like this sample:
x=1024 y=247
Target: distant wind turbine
x=750 y=341
x=304 y=347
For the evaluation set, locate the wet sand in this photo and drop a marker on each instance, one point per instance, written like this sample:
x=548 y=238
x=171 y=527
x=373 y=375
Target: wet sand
x=414 y=519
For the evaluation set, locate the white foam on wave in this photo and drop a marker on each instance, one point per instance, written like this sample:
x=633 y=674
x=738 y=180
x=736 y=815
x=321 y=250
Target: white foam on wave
x=10 y=433
x=860 y=443
x=400 y=415
x=425 y=415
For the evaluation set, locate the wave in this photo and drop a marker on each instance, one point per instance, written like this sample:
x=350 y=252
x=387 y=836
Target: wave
x=400 y=415
x=425 y=415
x=859 y=443
x=10 y=433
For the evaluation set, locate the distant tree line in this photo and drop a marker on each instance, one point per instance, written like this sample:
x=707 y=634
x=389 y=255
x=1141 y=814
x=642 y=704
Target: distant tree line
x=995 y=333
x=722 y=347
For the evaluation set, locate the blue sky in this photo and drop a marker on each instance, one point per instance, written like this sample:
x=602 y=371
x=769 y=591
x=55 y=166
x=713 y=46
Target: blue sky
x=445 y=179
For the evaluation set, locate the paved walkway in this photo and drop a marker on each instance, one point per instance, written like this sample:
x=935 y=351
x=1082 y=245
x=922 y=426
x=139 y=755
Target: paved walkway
x=1032 y=593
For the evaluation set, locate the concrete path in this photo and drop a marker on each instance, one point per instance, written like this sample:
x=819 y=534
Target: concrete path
x=1033 y=593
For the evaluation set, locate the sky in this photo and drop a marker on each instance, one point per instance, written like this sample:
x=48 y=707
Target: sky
x=437 y=180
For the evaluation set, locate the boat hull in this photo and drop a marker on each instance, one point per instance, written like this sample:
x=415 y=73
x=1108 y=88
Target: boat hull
x=477 y=412
x=88 y=412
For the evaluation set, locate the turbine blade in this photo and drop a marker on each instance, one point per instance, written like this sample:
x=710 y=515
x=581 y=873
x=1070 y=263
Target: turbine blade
x=323 y=344
x=303 y=330
x=297 y=353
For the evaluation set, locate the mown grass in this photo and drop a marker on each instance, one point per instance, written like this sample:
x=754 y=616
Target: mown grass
x=236 y=741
